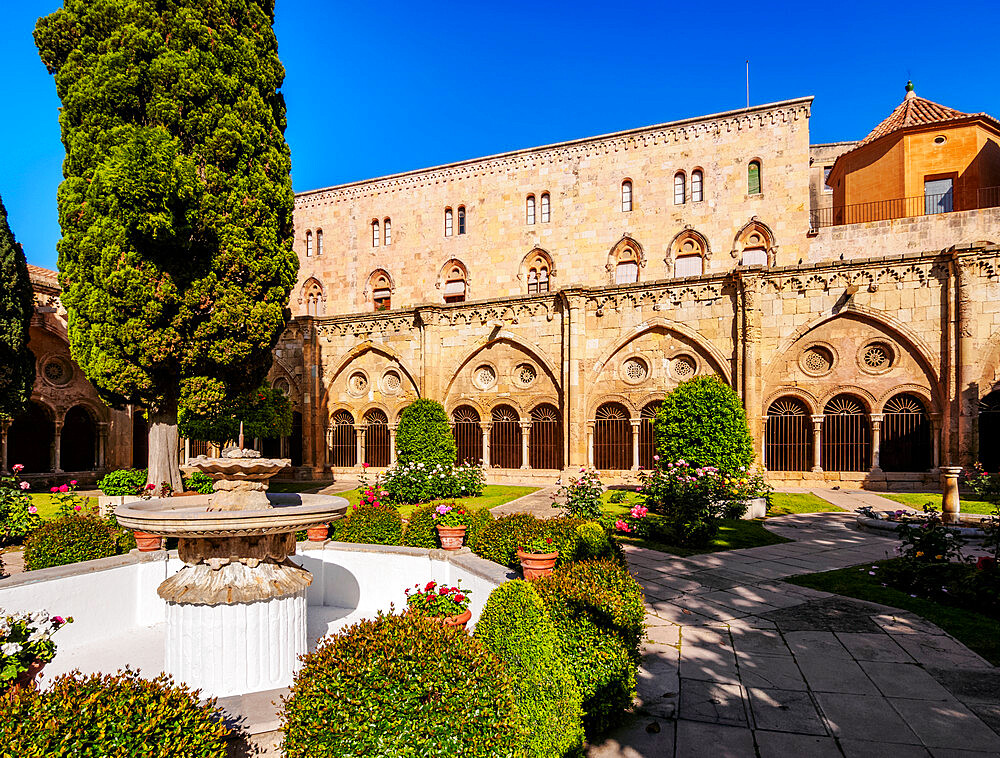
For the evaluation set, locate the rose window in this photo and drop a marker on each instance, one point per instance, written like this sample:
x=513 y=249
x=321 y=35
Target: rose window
x=876 y=356
x=684 y=367
x=358 y=382
x=525 y=374
x=391 y=381
x=817 y=360
x=635 y=370
x=56 y=371
x=485 y=376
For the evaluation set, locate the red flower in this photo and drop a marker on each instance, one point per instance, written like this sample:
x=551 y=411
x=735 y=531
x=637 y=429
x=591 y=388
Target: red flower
x=430 y=586
x=459 y=598
x=548 y=540
x=444 y=591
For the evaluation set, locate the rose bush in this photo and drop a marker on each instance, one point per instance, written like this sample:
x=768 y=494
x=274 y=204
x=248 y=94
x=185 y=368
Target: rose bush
x=18 y=517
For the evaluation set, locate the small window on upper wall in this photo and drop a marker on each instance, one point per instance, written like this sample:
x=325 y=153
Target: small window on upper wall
x=449 y=222
x=680 y=189
x=826 y=178
x=375 y=233
x=697 y=186
x=309 y=244
x=319 y=242
x=529 y=210
x=387 y=231
x=546 y=209
x=626 y=196
x=381 y=292
x=455 y=287
x=461 y=219
x=753 y=178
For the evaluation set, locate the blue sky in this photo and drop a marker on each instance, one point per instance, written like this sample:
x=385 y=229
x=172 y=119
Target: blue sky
x=379 y=87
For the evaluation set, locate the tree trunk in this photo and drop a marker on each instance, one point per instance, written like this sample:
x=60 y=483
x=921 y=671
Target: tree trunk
x=164 y=442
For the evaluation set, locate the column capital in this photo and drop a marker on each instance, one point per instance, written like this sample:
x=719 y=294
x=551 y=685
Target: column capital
x=635 y=422
x=817 y=420
x=877 y=418
x=525 y=426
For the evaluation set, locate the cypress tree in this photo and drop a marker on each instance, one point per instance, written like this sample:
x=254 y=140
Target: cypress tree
x=17 y=364
x=176 y=208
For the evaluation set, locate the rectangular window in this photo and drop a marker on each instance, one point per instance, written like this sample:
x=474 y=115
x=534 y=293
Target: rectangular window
x=545 y=209
x=697 y=187
x=938 y=196
x=319 y=242
x=688 y=265
x=448 y=223
x=375 y=234
x=461 y=220
x=626 y=197
x=826 y=178
x=530 y=211
x=382 y=300
x=626 y=272
x=387 y=231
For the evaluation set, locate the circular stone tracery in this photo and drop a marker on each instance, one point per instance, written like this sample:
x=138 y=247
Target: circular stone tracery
x=391 y=382
x=684 y=367
x=876 y=358
x=57 y=371
x=357 y=384
x=485 y=377
x=525 y=374
x=635 y=370
x=817 y=360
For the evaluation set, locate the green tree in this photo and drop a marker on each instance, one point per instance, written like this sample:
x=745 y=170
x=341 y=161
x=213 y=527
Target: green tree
x=703 y=422
x=176 y=208
x=266 y=413
x=424 y=435
x=17 y=364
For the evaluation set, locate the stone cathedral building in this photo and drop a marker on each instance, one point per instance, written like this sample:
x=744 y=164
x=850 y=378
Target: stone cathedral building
x=550 y=297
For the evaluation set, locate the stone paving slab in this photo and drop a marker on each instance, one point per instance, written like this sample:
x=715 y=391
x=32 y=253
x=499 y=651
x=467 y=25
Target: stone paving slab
x=788 y=745
x=785 y=710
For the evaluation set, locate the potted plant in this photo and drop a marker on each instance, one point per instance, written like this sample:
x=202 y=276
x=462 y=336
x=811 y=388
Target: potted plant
x=26 y=646
x=451 y=523
x=538 y=557
x=317 y=533
x=450 y=604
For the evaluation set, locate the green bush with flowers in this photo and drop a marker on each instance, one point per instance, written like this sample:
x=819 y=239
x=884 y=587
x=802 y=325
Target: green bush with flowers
x=580 y=496
x=126 y=482
x=424 y=436
x=500 y=540
x=26 y=638
x=370 y=523
x=421 y=482
x=539 y=545
x=450 y=514
x=118 y=714
x=18 y=517
x=402 y=685
x=437 y=600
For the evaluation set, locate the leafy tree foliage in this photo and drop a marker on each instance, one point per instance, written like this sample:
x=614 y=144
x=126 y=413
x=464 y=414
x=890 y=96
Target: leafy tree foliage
x=424 y=435
x=176 y=208
x=703 y=422
x=17 y=364
x=266 y=413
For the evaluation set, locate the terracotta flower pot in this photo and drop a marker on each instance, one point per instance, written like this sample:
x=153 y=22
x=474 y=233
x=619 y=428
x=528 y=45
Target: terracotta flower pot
x=534 y=565
x=460 y=620
x=452 y=537
x=986 y=562
x=147 y=542
x=27 y=678
x=317 y=533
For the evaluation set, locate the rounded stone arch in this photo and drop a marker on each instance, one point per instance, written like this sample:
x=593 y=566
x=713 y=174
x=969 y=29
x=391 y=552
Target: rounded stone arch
x=867 y=398
x=717 y=360
x=341 y=438
x=369 y=407
x=473 y=403
x=878 y=319
x=79 y=438
x=31 y=436
x=921 y=392
x=687 y=242
x=807 y=398
x=538 y=260
x=531 y=349
x=454 y=270
x=626 y=250
x=514 y=403
x=312 y=297
x=755 y=236
x=605 y=399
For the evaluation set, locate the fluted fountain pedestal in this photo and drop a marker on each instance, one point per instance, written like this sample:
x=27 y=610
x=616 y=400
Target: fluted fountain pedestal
x=236 y=611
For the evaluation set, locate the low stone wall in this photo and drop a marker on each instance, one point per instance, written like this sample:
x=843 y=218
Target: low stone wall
x=879 y=481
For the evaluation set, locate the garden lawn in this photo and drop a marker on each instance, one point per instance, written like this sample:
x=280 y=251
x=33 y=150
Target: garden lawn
x=975 y=630
x=785 y=503
x=919 y=499
x=734 y=534
x=48 y=506
x=622 y=508
x=493 y=495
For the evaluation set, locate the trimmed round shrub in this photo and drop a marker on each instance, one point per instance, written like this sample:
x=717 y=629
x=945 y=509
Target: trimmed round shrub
x=370 y=525
x=704 y=423
x=424 y=435
x=597 y=609
x=69 y=539
x=516 y=628
x=420 y=531
x=593 y=542
x=111 y=715
x=402 y=685
x=199 y=482
x=499 y=540
x=124 y=481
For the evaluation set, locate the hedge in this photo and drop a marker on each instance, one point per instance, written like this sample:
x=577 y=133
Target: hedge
x=500 y=540
x=598 y=612
x=516 y=628
x=370 y=525
x=402 y=685
x=71 y=539
x=424 y=435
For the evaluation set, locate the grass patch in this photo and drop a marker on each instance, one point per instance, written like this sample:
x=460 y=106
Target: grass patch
x=734 y=534
x=919 y=499
x=48 y=506
x=493 y=495
x=786 y=503
x=976 y=631
x=622 y=508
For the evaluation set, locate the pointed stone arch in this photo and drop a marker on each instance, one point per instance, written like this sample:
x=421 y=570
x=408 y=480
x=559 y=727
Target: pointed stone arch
x=757 y=237
x=687 y=244
x=312 y=297
x=537 y=271
x=379 y=288
x=533 y=350
x=453 y=281
x=626 y=252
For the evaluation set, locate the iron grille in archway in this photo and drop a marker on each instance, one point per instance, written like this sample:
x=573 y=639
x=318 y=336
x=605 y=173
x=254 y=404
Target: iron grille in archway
x=612 y=438
x=343 y=441
x=989 y=432
x=789 y=436
x=78 y=444
x=468 y=433
x=546 y=440
x=647 y=438
x=847 y=435
x=906 y=435
x=377 y=447
x=29 y=440
x=505 y=438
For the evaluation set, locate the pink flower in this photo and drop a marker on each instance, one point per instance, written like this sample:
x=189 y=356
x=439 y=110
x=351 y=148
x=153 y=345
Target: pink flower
x=54 y=489
x=76 y=507
x=72 y=483
x=63 y=488
x=364 y=465
x=621 y=526
x=32 y=509
x=442 y=509
x=148 y=487
x=639 y=511
x=17 y=468
x=656 y=457
x=58 y=620
x=25 y=486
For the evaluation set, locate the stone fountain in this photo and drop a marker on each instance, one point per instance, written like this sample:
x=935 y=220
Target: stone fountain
x=236 y=611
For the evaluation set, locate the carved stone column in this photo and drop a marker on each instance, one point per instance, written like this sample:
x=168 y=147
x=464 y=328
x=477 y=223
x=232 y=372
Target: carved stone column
x=817 y=444
x=525 y=444
x=876 y=440
x=635 y=444
x=329 y=443
x=487 y=426
x=590 y=444
x=392 y=443
x=359 y=451
x=4 y=462
x=57 y=447
x=102 y=445
x=950 y=504
x=574 y=314
x=967 y=392
x=750 y=317
x=935 y=441
x=763 y=446
x=187 y=449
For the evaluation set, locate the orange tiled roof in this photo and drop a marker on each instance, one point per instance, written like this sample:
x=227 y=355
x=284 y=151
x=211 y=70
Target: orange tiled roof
x=43 y=276
x=916 y=111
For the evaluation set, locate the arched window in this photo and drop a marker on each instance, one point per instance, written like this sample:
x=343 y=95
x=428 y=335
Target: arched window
x=847 y=435
x=546 y=441
x=309 y=244
x=29 y=440
x=387 y=231
x=319 y=242
x=627 y=266
x=680 y=192
x=612 y=438
x=529 y=210
x=539 y=268
x=449 y=222
x=626 y=196
x=375 y=233
x=754 y=178
x=906 y=435
x=461 y=219
x=505 y=438
x=455 y=284
x=78 y=446
x=342 y=440
x=689 y=249
x=377 y=449
x=381 y=289
x=789 y=436
x=468 y=433
x=313 y=299
x=754 y=244
x=697 y=186
x=647 y=439
x=989 y=431
x=546 y=209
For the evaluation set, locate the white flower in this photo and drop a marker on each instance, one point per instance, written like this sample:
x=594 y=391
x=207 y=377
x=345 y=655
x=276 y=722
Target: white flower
x=10 y=648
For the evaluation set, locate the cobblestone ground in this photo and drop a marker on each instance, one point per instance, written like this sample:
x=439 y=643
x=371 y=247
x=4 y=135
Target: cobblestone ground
x=738 y=663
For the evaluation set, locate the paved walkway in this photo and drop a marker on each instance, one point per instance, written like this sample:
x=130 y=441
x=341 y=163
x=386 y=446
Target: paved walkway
x=539 y=503
x=738 y=663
